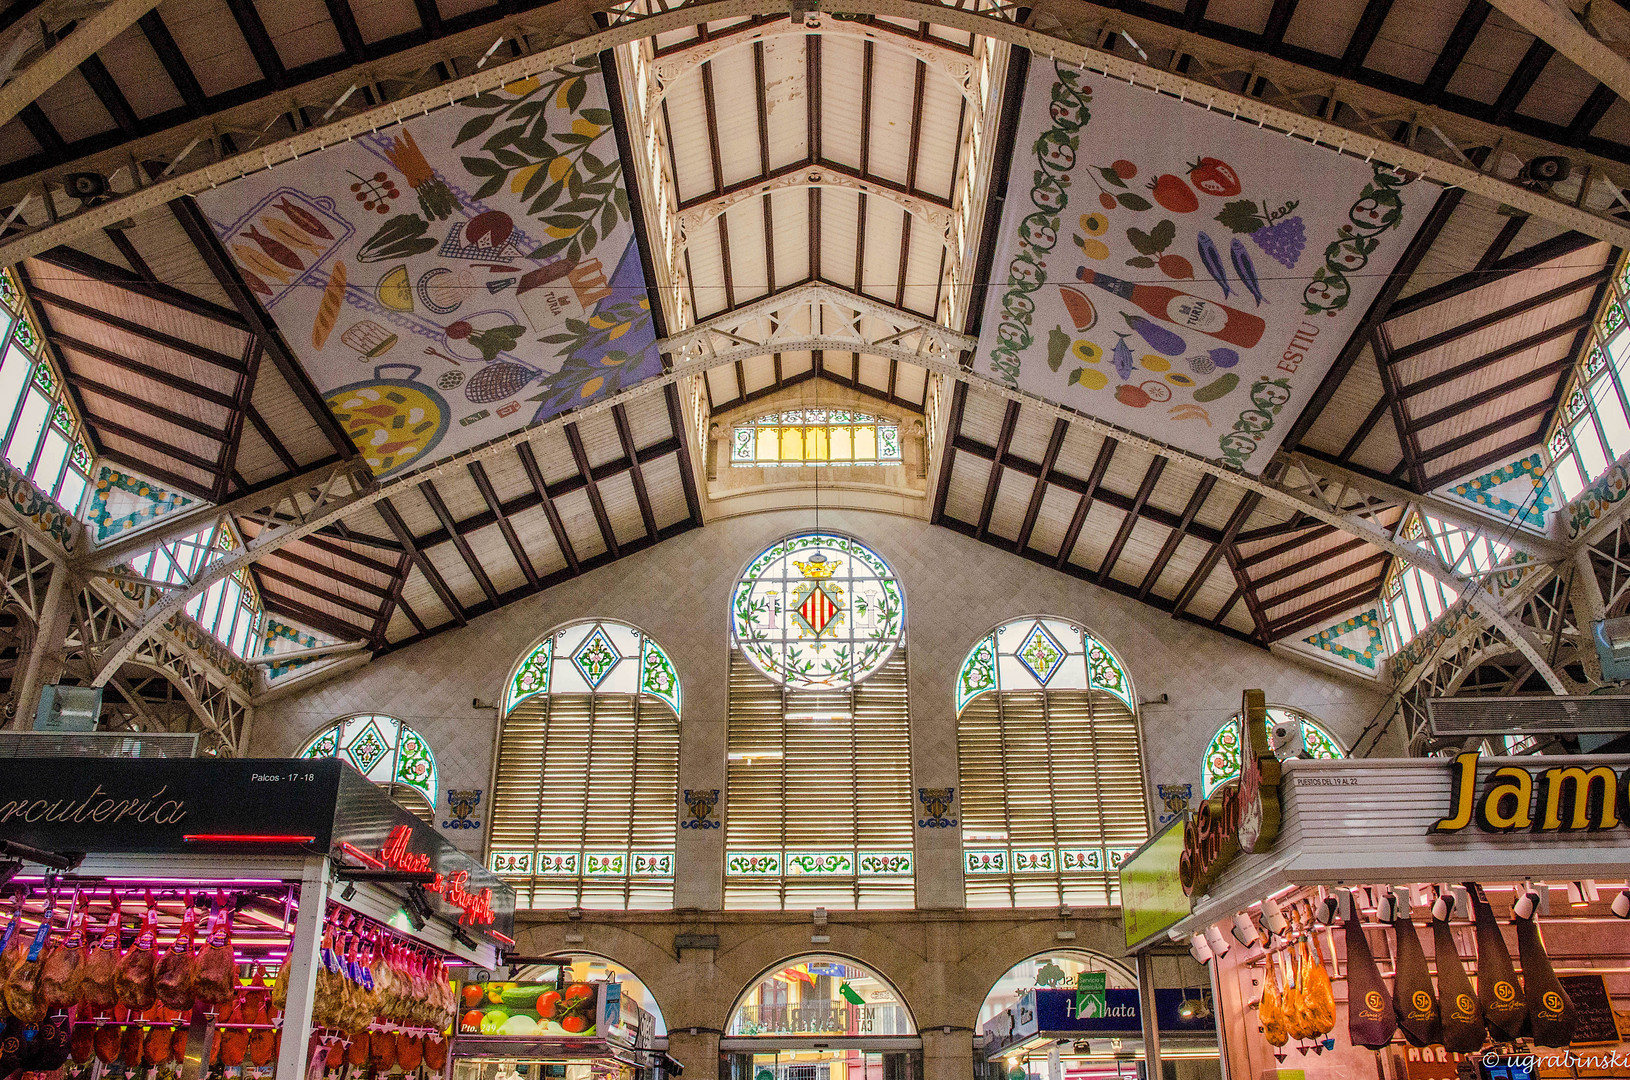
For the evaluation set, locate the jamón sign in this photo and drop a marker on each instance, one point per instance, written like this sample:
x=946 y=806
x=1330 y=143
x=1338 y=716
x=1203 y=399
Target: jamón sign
x=1243 y=816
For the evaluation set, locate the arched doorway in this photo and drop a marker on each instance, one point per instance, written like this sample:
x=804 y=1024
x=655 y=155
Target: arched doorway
x=1050 y=1005
x=820 y=1017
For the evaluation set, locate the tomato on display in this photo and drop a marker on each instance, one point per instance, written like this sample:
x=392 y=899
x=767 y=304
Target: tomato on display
x=549 y=1004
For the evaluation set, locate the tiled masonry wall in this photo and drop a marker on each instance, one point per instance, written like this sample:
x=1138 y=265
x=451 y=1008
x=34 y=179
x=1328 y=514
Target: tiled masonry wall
x=956 y=590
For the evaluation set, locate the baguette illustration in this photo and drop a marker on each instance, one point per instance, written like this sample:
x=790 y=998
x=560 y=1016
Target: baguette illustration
x=328 y=312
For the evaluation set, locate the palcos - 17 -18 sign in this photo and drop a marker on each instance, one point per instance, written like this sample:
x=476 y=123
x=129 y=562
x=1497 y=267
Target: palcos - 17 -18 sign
x=457 y=276
x=1176 y=272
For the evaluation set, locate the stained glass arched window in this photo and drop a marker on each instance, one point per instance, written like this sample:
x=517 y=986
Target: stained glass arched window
x=595 y=657
x=817 y=611
x=588 y=771
x=382 y=748
x=1041 y=654
x=1050 y=760
x=1222 y=760
x=815 y=437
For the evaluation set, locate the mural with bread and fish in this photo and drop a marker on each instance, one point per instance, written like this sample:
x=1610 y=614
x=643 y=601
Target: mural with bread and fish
x=455 y=277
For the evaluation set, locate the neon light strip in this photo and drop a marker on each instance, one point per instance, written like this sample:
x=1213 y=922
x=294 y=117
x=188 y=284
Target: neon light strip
x=506 y=939
x=248 y=838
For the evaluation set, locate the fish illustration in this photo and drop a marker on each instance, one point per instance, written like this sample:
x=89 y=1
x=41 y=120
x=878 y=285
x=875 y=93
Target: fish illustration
x=305 y=219
x=250 y=257
x=254 y=283
x=290 y=235
x=274 y=249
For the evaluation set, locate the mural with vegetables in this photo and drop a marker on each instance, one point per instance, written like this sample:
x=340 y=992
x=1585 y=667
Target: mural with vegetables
x=528 y=1009
x=455 y=277
x=1176 y=272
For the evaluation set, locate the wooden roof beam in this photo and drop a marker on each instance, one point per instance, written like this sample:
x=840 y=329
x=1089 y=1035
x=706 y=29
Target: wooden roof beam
x=478 y=473
x=432 y=576
x=1202 y=491
x=439 y=508
x=529 y=462
x=1004 y=439
x=1055 y=443
x=575 y=441
x=625 y=435
x=1072 y=532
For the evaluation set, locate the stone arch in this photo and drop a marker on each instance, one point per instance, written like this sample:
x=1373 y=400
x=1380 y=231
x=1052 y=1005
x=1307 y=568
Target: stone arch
x=778 y=965
x=596 y=954
x=654 y=965
x=997 y=955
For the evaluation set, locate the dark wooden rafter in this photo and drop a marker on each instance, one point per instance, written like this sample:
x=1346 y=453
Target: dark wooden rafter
x=175 y=64
x=1377 y=561
x=517 y=550
x=1072 y=532
x=1335 y=605
x=1500 y=315
x=259 y=42
x=1364 y=35
x=1202 y=491
x=146 y=371
x=1004 y=439
x=269 y=571
x=1259 y=617
x=376 y=636
x=1522 y=80
x=1055 y=443
x=575 y=440
x=438 y=584
x=1522 y=345
x=292 y=557
x=225 y=469
x=1557 y=247
x=1150 y=477
x=642 y=496
x=345 y=22
x=214 y=358
x=76 y=261
x=1455 y=48
x=687 y=469
x=953 y=424
x=1208 y=562
x=1408 y=444
x=1379 y=311
x=321 y=621
x=102 y=84
x=1501 y=243
x=540 y=490
x=1279 y=16
x=438 y=507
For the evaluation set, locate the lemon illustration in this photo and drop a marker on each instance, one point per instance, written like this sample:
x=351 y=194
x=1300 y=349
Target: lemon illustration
x=394 y=290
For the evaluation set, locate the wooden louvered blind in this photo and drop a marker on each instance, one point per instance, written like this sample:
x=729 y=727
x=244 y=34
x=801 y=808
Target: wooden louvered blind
x=584 y=781
x=1052 y=797
x=819 y=773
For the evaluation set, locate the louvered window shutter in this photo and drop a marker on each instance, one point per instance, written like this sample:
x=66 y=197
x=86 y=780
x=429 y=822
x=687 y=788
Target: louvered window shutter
x=584 y=801
x=820 y=807
x=1052 y=797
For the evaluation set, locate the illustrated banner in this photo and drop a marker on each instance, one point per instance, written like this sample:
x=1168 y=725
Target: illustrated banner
x=1179 y=273
x=458 y=276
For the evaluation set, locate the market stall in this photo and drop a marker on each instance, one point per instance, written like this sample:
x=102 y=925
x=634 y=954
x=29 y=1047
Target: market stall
x=1090 y=1032
x=240 y=917
x=1421 y=919
x=573 y=1019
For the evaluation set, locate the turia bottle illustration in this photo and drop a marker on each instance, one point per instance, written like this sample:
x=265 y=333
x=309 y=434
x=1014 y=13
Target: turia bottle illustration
x=1228 y=324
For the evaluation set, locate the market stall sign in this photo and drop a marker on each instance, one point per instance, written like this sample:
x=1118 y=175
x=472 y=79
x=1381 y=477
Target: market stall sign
x=1048 y=1012
x=1243 y=816
x=168 y=805
x=454 y=888
x=1565 y=798
x=530 y=1010
x=1152 y=895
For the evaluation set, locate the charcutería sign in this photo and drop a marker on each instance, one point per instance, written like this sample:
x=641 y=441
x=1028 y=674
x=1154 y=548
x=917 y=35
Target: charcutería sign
x=97 y=807
x=1564 y=798
x=1243 y=816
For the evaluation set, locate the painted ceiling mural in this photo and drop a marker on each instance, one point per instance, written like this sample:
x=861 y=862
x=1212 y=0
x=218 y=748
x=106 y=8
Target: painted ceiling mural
x=458 y=276
x=1178 y=273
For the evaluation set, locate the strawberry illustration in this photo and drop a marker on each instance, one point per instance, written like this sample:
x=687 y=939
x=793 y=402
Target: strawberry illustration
x=1278 y=234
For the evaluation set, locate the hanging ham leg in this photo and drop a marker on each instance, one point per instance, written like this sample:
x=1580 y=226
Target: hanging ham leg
x=96 y=985
x=215 y=973
x=173 y=978
x=64 y=971
x=133 y=979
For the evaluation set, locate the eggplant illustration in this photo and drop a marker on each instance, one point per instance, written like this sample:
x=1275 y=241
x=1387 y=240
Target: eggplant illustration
x=1211 y=259
x=1160 y=339
x=1370 y=1017
x=1497 y=990
x=1461 y=1017
x=1243 y=267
